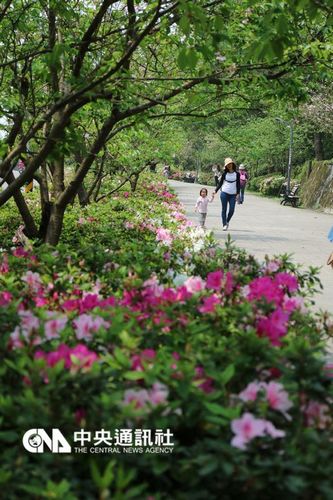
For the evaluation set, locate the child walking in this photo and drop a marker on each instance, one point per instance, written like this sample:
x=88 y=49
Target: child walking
x=201 y=206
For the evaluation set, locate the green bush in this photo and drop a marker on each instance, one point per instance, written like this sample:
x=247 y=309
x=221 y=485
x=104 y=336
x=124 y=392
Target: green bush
x=138 y=320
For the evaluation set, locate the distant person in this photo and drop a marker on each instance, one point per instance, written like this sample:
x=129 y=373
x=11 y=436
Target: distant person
x=152 y=166
x=201 y=206
x=166 y=171
x=217 y=173
x=230 y=189
x=244 y=177
x=330 y=237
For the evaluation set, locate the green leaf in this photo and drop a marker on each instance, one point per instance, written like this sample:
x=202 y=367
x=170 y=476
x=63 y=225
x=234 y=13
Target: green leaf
x=227 y=374
x=134 y=375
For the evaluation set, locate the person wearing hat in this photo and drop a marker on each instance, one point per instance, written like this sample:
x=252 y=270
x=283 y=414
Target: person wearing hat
x=244 y=177
x=230 y=189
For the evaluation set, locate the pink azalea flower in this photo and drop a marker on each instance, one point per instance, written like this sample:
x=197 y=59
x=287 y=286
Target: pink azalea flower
x=86 y=324
x=164 y=236
x=29 y=322
x=277 y=397
x=153 y=285
x=328 y=370
x=274 y=326
x=158 y=394
x=33 y=281
x=287 y=280
x=250 y=392
x=4 y=266
x=82 y=358
x=214 y=280
x=317 y=415
x=209 y=304
x=138 y=396
x=54 y=327
x=194 y=284
x=272 y=431
x=129 y=225
x=245 y=429
x=272 y=266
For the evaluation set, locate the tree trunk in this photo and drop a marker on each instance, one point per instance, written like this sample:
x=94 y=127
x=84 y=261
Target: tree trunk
x=318 y=146
x=29 y=223
x=54 y=226
x=134 y=181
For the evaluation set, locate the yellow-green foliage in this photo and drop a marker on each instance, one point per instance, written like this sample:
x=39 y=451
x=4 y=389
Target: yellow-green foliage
x=317 y=190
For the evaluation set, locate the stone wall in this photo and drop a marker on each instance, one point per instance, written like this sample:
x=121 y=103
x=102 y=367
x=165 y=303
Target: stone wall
x=317 y=189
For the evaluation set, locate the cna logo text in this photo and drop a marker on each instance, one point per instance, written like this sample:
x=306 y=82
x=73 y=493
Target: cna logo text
x=100 y=441
x=36 y=440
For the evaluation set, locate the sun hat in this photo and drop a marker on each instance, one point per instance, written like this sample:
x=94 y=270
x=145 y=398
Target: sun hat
x=229 y=160
x=241 y=166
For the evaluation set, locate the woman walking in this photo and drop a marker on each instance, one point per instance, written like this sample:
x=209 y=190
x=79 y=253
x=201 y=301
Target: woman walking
x=230 y=188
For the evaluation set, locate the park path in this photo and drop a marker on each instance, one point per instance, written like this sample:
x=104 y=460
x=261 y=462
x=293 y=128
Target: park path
x=262 y=226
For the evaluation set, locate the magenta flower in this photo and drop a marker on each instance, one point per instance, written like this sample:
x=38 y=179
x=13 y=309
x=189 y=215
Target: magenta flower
x=265 y=288
x=290 y=304
x=20 y=252
x=229 y=284
x=214 y=280
x=75 y=358
x=206 y=383
x=194 y=284
x=40 y=301
x=287 y=280
x=54 y=327
x=274 y=326
x=245 y=429
x=82 y=358
x=5 y=298
x=209 y=304
x=146 y=357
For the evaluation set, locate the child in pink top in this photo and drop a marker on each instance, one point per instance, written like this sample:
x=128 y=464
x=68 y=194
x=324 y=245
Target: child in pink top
x=201 y=206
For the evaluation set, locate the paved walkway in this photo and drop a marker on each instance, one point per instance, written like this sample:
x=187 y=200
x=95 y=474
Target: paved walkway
x=262 y=226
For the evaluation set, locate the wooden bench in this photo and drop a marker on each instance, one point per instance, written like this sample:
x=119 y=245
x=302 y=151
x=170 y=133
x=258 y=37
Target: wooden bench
x=290 y=197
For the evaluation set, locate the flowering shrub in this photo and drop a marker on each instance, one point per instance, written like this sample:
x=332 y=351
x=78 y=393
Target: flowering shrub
x=139 y=320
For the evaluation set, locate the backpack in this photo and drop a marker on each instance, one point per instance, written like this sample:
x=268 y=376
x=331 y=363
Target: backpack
x=243 y=177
